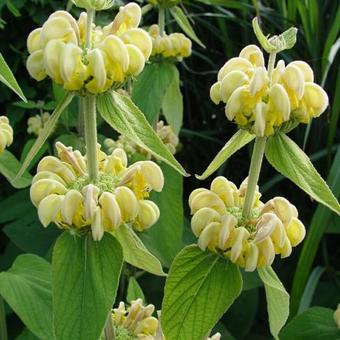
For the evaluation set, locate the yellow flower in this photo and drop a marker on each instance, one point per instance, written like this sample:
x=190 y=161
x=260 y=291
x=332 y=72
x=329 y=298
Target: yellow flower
x=6 y=133
x=135 y=321
x=63 y=195
x=118 y=50
x=272 y=228
x=37 y=123
x=173 y=46
x=262 y=103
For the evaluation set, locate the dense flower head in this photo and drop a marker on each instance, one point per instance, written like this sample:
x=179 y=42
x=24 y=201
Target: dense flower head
x=262 y=102
x=164 y=3
x=164 y=132
x=119 y=51
x=169 y=46
x=63 y=194
x=37 y=123
x=136 y=321
x=273 y=227
x=6 y=133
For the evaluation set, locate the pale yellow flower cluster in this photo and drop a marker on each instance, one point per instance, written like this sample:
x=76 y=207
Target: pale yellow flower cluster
x=174 y=46
x=135 y=322
x=62 y=193
x=6 y=133
x=262 y=102
x=37 y=123
x=164 y=132
x=119 y=51
x=164 y=3
x=273 y=227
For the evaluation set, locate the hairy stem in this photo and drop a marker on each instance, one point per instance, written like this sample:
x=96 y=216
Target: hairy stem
x=90 y=113
x=254 y=172
x=161 y=20
x=88 y=34
x=271 y=64
x=90 y=121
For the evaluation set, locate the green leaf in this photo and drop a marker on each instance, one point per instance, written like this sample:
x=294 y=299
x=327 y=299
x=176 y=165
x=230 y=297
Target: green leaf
x=26 y=287
x=311 y=286
x=38 y=156
x=7 y=77
x=85 y=277
x=9 y=167
x=150 y=87
x=184 y=24
x=318 y=226
x=277 y=300
x=135 y=252
x=172 y=106
x=28 y=234
x=134 y=291
x=235 y=143
x=199 y=289
x=286 y=157
x=164 y=239
x=124 y=116
x=44 y=134
x=316 y=323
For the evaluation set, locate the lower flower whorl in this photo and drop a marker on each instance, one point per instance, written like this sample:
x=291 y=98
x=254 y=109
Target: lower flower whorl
x=63 y=194
x=273 y=227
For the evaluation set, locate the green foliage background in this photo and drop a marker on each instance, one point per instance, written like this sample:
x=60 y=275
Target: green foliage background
x=225 y=28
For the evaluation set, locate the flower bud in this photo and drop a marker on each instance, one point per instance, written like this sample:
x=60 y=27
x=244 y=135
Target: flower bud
x=6 y=133
x=208 y=236
x=306 y=70
x=266 y=252
x=129 y=16
x=52 y=59
x=231 y=82
x=97 y=71
x=259 y=81
x=148 y=215
x=228 y=224
x=207 y=199
x=72 y=70
x=215 y=93
x=252 y=257
x=239 y=236
x=202 y=218
x=279 y=103
x=97 y=225
x=127 y=202
x=253 y=54
x=72 y=208
x=265 y=227
x=136 y=60
x=140 y=39
x=44 y=187
x=90 y=193
x=35 y=65
x=226 y=190
x=296 y=231
x=58 y=28
x=49 y=208
x=33 y=40
x=235 y=64
x=294 y=80
x=110 y=211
